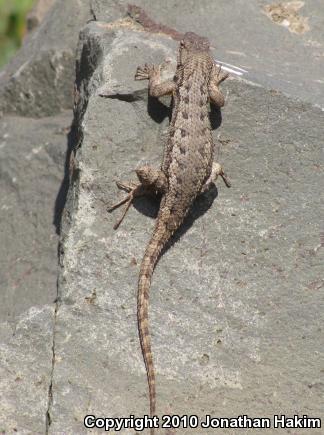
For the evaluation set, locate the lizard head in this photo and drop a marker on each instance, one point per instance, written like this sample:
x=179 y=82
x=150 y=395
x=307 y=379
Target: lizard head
x=192 y=43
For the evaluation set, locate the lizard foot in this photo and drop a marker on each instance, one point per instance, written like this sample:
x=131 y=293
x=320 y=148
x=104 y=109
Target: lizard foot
x=144 y=72
x=217 y=171
x=151 y=182
x=225 y=178
x=134 y=190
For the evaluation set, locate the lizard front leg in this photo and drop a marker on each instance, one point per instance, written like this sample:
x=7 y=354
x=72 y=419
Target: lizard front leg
x=215 y=94
x=152 y=181
x=157 y=88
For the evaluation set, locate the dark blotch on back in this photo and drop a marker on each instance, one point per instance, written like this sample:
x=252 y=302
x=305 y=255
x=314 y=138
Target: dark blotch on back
x=201 y=151
x=185 y=115
x=202 y=89
x=181 y=165
x=183 y=132
x=182 y=149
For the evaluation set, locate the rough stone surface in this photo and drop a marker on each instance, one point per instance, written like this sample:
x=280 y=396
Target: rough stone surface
x=39 y=80
x=236 y=301
x=31 y=172
x=241 y=32
x=38 y=13
x=25 y=371
x=244 y=36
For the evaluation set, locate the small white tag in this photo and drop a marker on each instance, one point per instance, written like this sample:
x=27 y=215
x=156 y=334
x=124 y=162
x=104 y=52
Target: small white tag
x=231 y=68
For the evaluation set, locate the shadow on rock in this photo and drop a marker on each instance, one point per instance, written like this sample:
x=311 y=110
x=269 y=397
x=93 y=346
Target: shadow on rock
x=158 y=111
x=149 y=206
x=64 y=188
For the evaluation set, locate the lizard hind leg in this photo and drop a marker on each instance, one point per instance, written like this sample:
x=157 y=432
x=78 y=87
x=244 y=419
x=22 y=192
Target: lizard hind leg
x=152 y=178
x=217 y=170
x=134 y=190
x=152 y=181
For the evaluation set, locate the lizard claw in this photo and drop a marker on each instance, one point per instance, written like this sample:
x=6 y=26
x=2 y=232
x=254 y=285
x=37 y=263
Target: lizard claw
x=225 y=179
x=143 y=72
x=128 y=187
x=133 y=190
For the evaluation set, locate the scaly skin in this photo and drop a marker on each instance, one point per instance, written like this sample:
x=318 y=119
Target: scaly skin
x=187 y=168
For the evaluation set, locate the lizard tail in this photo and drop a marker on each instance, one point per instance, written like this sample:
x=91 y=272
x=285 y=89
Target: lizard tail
x=159 y=238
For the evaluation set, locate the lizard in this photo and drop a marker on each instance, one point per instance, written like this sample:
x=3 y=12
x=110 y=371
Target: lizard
x=187 y=168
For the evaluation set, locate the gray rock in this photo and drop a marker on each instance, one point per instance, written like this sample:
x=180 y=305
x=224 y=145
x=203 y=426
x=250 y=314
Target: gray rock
x=39 y=80
x=25 y=371
x=243 y=35
x=235 y=309
x=38 y=13
x=236 y=302
x=31 y=172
